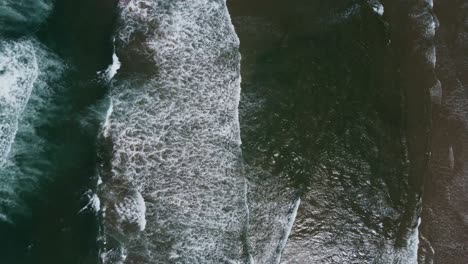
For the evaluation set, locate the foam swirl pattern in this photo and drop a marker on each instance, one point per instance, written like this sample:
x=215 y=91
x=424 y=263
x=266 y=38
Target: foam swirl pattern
x=18 y=71
x=174 y=191
x=27 y=69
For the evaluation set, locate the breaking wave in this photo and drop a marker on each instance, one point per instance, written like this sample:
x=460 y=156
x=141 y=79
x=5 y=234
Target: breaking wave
x=174 y=190
x=26 y=67
x=18 y=72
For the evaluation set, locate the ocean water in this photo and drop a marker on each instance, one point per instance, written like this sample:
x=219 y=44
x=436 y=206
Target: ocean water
x=174 y=191
x=23 y=17
x=323 y=114
x=50 y=117
x=444 y=216
x=213 y=131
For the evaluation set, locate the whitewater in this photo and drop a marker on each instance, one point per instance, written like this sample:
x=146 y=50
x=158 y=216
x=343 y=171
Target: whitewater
x=26 y=70
x=174 y=191
x=172 y=183
x=19 y=70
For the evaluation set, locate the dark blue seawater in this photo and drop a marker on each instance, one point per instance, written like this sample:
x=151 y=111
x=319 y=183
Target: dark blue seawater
x=52 y=164
x=246 y=131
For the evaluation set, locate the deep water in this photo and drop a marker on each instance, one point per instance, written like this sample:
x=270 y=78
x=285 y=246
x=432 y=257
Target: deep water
x=57 y=137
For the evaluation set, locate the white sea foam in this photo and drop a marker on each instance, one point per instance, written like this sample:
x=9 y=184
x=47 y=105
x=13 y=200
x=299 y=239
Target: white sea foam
x=114 y=256
x=18 y=72
x=94 y=202
x=108 y=75
x=288 y=227
x=175 y=136
x=425 y=19
x=414 y=244
x=409 y=253
x=431 y=56
x=4 y=218
x=132 y=209
x=27 y=70
x=431 y=3
x=379 y=10
x=107 y=122
x=113 y=68
x=377 y=7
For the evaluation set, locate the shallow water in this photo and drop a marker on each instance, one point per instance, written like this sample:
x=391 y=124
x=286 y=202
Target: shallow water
x=322 y=121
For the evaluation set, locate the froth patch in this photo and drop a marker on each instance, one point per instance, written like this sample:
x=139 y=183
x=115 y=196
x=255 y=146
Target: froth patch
x=131 y=211
x=18 y=72
x=28 y=83
x=94 y=202
x=112 y=69
x=5 y=218
x=376 y=6
x=175 y=135
x=124 y=210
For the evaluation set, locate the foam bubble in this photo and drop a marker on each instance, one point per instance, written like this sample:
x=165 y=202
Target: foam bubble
x=27 y=70
x=175 y=136
x=112 y=69
x=288 y=228
x=107 y=122
x=409 y=253
x=132 y=209
x=377 y=7
x=93 y=203
x=18 y=72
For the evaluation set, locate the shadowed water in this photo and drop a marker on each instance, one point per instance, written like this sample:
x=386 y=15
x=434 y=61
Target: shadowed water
x=323 y=120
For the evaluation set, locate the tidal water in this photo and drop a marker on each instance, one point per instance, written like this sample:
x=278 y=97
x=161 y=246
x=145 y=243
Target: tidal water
x=238 y=131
